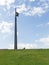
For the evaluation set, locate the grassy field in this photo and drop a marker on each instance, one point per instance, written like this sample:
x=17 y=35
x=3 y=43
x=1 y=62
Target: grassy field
x=24 y=57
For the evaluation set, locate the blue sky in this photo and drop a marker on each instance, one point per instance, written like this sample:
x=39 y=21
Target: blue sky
x=32 y=23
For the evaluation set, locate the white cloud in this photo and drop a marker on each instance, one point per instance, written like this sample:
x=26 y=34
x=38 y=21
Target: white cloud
x=37 y=10
x=44 y=42
x=47 y=24
x=5 y=27
x=21 y=8
x=27 y=46
x=6 y=3
x=45 y=4
x=31 y=11
x=2 y=2
x=27 y=9
x=0 y=14
x=11 y=46
x=17 y=33
x=31 y=0
x=10 y=1
x=23 y=45
x=42 y=0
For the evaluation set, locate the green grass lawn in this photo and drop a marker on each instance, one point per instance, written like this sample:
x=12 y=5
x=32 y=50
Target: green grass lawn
x=24 y=57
